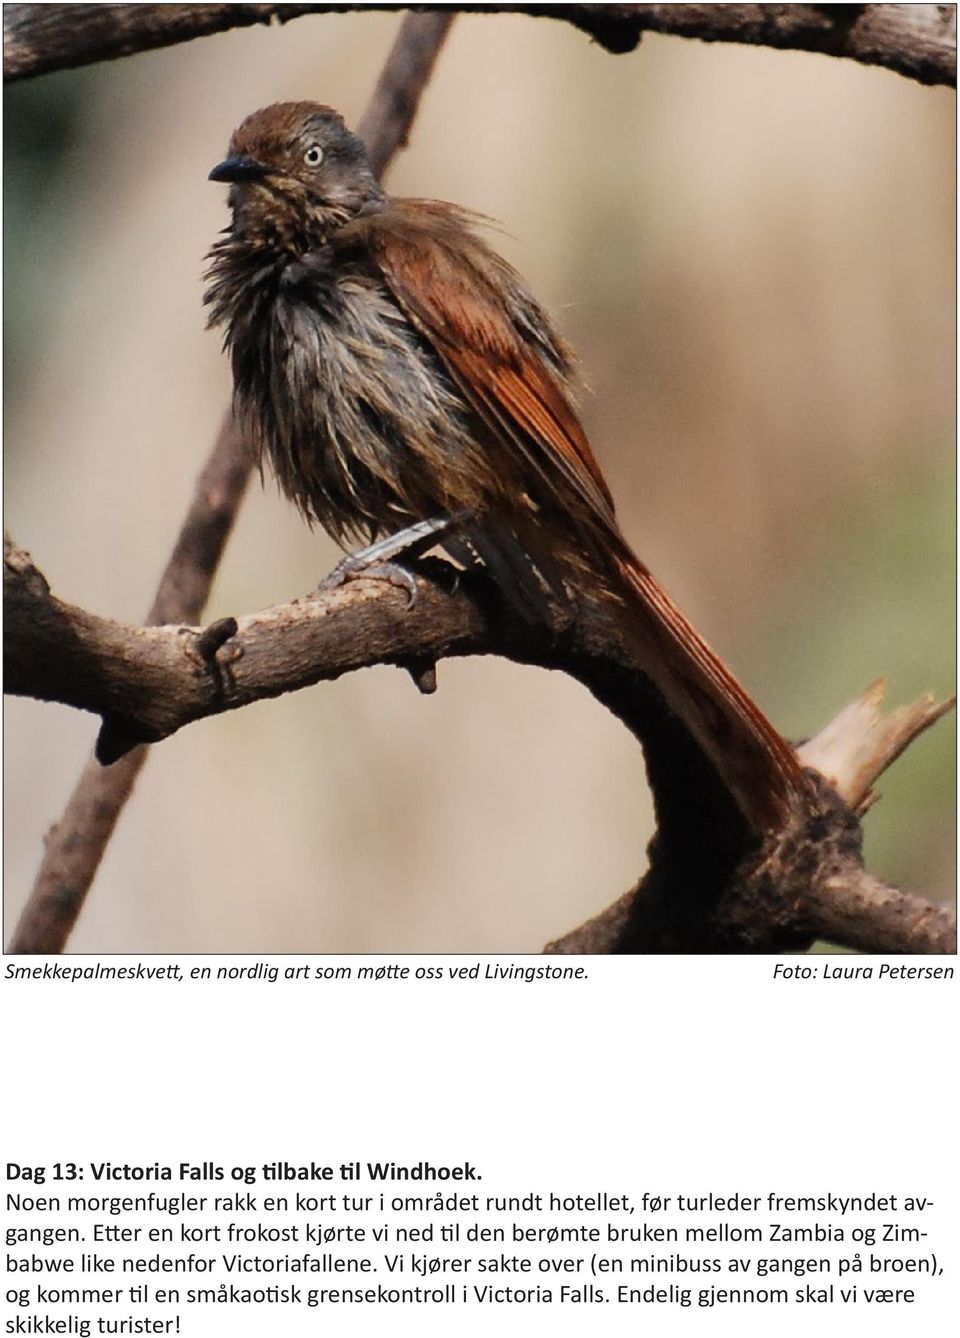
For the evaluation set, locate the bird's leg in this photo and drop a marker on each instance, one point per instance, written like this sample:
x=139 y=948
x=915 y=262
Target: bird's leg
x=378 y=561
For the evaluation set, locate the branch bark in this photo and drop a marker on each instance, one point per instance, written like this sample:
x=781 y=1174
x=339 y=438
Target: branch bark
x=809 y=885
x=718 y=894
x=75 y=845
x=918 y=41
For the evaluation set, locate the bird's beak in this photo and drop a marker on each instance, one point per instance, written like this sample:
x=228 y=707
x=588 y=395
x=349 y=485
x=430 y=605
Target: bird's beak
x=241 y=168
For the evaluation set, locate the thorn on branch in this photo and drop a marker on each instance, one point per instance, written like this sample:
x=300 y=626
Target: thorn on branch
x=424 y=675
x=206 y=643
x=202 y=649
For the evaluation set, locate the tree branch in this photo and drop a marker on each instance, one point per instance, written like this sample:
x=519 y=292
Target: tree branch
x=386 y=123
x=809 y=885
x=918 y=41
x=860 y=743
x=719 y=894
x=76 y=844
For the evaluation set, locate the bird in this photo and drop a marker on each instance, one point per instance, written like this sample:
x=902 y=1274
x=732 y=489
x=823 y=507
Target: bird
x=405 y=385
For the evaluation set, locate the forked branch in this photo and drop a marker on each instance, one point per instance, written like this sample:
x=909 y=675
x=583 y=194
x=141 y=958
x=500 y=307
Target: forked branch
x=716 y=894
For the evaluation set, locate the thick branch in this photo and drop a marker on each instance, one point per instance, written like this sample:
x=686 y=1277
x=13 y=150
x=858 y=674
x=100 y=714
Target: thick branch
x=810 y=884
x=154 y=680
x=76 y=844
x=718 y=894
x=919 y=41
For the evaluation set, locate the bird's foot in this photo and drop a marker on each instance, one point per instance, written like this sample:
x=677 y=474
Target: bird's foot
x=377 y=562
x=391 y=572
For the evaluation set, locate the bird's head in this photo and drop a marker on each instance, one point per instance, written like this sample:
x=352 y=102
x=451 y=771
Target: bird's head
x=296 y=173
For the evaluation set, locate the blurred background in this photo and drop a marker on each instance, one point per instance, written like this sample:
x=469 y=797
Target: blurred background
x=753 y=252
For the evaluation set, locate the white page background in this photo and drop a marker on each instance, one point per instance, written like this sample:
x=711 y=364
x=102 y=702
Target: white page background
x=665 y=1075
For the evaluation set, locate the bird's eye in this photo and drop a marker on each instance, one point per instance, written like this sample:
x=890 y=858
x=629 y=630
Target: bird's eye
x=313 y=156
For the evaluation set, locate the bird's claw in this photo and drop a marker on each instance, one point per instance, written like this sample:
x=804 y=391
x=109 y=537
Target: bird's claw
x=354 y=568
x=377 y=561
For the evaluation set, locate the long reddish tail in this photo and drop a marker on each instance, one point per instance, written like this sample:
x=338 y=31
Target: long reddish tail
x=759 y=766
